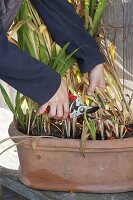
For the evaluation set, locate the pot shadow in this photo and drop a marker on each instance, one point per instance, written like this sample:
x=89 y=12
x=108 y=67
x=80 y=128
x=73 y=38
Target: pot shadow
x=8 y=172
x=5 y=192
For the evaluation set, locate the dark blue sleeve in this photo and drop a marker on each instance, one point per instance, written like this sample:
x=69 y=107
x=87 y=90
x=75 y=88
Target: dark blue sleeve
x=67 y=26
x=26 y=74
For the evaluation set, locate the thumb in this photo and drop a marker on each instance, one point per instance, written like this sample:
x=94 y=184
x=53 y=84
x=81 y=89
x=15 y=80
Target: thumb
x=92 y=87
x=43 y=108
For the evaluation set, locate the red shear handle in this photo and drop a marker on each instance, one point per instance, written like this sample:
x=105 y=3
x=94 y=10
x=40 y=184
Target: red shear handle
x=46 y=111
x=72 y=97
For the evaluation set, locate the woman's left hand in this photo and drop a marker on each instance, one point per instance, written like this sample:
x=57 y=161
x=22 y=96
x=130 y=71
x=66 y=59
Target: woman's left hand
x=96 y=76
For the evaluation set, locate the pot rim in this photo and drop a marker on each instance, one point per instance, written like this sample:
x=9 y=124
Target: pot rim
x=98 y=145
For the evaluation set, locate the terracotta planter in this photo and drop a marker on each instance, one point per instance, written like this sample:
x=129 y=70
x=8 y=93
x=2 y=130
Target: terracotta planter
x=57 y=164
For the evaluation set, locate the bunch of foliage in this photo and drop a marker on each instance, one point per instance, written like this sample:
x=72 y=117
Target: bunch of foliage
x=115 y=116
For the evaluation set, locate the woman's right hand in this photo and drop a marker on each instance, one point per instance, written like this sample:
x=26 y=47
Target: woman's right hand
x=58 y=104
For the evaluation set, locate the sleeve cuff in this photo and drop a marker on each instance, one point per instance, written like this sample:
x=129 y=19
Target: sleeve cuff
x=43 y=96
x=87 y=64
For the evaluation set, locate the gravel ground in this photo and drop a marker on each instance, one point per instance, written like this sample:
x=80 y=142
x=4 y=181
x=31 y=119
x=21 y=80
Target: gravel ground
x=9 y=159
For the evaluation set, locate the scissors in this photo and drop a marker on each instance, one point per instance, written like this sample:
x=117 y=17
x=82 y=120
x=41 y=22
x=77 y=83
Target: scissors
x=77 y=107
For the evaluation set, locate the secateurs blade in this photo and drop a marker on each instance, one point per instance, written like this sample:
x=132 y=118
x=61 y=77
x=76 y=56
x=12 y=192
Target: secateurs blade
x=77 y=107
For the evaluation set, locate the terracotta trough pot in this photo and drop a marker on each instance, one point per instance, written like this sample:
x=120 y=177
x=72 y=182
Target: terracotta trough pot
x=58 y=165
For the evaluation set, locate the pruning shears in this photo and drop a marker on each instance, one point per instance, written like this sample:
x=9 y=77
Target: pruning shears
x=77 y=107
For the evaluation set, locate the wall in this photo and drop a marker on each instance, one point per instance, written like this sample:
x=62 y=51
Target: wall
x=119 y=18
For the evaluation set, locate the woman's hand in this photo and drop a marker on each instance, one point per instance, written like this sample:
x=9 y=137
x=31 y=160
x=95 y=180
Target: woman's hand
x=58 y=104
x=96 y=76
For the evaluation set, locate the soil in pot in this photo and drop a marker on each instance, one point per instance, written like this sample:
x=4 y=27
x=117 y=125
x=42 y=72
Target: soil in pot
x=55 y=131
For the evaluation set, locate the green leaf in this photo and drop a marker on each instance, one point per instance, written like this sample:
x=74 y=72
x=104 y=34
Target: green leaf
x=67 y=66
x=7 y=99
x=87 y=8
x=91 y=126
x=19 y=111
x=98 y=15
x=92 y=8
x=60 y=56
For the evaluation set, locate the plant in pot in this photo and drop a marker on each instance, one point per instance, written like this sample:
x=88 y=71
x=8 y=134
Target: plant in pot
x=89 y=153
